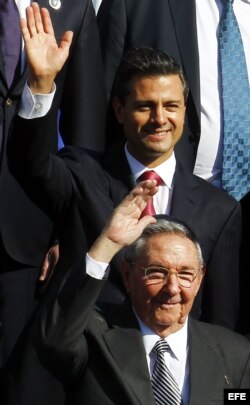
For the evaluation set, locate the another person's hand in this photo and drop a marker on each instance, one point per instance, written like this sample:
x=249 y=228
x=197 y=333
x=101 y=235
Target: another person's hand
x=44 y=56
x=125 y=224
x=49 y=263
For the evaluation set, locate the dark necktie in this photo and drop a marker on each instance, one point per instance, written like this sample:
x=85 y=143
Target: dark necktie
x=235 y=106
x=10 y=38
x=150 y=175
x=166 y=389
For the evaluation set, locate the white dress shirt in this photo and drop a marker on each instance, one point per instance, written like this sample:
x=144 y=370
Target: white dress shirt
x=96 y=4
x=162 y=199
x=176 y=358
x=208 y=163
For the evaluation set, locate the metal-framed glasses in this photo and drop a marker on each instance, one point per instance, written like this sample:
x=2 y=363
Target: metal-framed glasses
x=160 y=275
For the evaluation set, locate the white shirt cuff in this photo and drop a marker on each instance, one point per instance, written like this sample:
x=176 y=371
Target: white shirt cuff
x=96 y=269
x=35 y=105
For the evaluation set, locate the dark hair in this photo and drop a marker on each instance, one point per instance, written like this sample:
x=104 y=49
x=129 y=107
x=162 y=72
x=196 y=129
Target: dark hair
x=145 y=61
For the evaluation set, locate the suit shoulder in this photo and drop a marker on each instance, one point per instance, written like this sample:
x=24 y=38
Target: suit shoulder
x=214 y=192
x=221 y=336
x=76 y=157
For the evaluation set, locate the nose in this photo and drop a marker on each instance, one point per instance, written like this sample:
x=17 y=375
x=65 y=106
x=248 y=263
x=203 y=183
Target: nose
x=171 y=285
x=159 y=116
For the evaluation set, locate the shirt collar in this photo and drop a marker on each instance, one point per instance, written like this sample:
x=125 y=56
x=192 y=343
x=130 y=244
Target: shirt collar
x=178 y=341
x=165 y=170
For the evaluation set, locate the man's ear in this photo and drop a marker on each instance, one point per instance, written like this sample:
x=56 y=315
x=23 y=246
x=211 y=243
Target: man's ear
x=126 y=272
x=200 y=277
x=118 y=109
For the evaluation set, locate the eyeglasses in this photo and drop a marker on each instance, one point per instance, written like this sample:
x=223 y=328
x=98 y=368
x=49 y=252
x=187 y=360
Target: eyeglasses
x=160 y=275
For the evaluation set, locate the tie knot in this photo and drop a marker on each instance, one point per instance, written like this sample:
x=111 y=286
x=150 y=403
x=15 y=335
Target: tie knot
x=161 y=346
x=150 y=175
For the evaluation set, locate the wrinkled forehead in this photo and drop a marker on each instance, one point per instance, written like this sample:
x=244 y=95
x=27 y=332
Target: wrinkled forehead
x=169 y=250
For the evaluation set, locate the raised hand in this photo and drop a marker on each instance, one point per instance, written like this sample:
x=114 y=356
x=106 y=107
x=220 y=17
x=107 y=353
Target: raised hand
x=44 y=56
x=125 y=224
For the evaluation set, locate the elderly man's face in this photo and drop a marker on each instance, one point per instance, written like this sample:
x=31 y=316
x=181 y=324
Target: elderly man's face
x=163 y=307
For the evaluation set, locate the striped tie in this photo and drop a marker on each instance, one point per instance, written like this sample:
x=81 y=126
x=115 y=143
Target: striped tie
x=166 y=389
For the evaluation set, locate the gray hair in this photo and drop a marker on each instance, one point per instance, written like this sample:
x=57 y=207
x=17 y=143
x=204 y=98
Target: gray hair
x=162 y=225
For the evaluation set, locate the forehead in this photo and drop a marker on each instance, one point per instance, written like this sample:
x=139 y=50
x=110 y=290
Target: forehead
x=170 y=249
x=141 y=85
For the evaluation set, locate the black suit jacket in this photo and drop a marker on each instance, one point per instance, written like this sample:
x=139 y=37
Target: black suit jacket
x=82 y=194
x=26 y=230
x=168 y=25
x=100 y=357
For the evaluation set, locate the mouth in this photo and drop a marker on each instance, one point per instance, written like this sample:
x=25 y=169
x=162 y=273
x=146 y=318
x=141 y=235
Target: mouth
x=167 y=304
x=157 y=134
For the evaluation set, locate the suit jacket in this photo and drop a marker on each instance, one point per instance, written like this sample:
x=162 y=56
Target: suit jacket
x=100 y=357
x=26 y=230
x=168 y=25
x=82 y=193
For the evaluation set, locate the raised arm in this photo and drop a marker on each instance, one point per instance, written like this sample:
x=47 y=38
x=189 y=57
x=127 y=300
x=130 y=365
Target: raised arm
x=44 y=56
x=58 y=335
x=126 y=224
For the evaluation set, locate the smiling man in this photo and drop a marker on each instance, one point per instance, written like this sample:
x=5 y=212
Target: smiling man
x=152 y=117
x=164 y=277
x=149 y=99
x=112 y=354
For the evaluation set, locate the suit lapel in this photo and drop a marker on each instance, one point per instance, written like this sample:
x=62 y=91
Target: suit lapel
x=2 y=75
x=117 y=167
x=186 y=198
x=184 y=17
x=207 y=371
x=126 y=346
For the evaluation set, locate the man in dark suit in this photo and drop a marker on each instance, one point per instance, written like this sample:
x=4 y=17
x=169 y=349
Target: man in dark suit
x=150 y=93
x=108 y=354
x=188 y=30
x=26 y=230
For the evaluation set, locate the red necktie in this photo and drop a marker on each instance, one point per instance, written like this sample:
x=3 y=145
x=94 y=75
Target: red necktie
x=149 y=175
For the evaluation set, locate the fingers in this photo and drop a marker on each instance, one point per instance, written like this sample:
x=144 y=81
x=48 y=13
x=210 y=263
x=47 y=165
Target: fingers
x=38 y=20
x=66 y=41
x=44 y=268
x=141 y=194
x=47 y=24
x=24 y=29
x=144 y=189
x=34 y=21
x=145 y=221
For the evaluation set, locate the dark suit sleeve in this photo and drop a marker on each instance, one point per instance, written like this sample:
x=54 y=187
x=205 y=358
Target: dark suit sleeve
x=53 y=181
x=220 y=303
x=82 y=93
x=58 y=333
x=43 y=175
